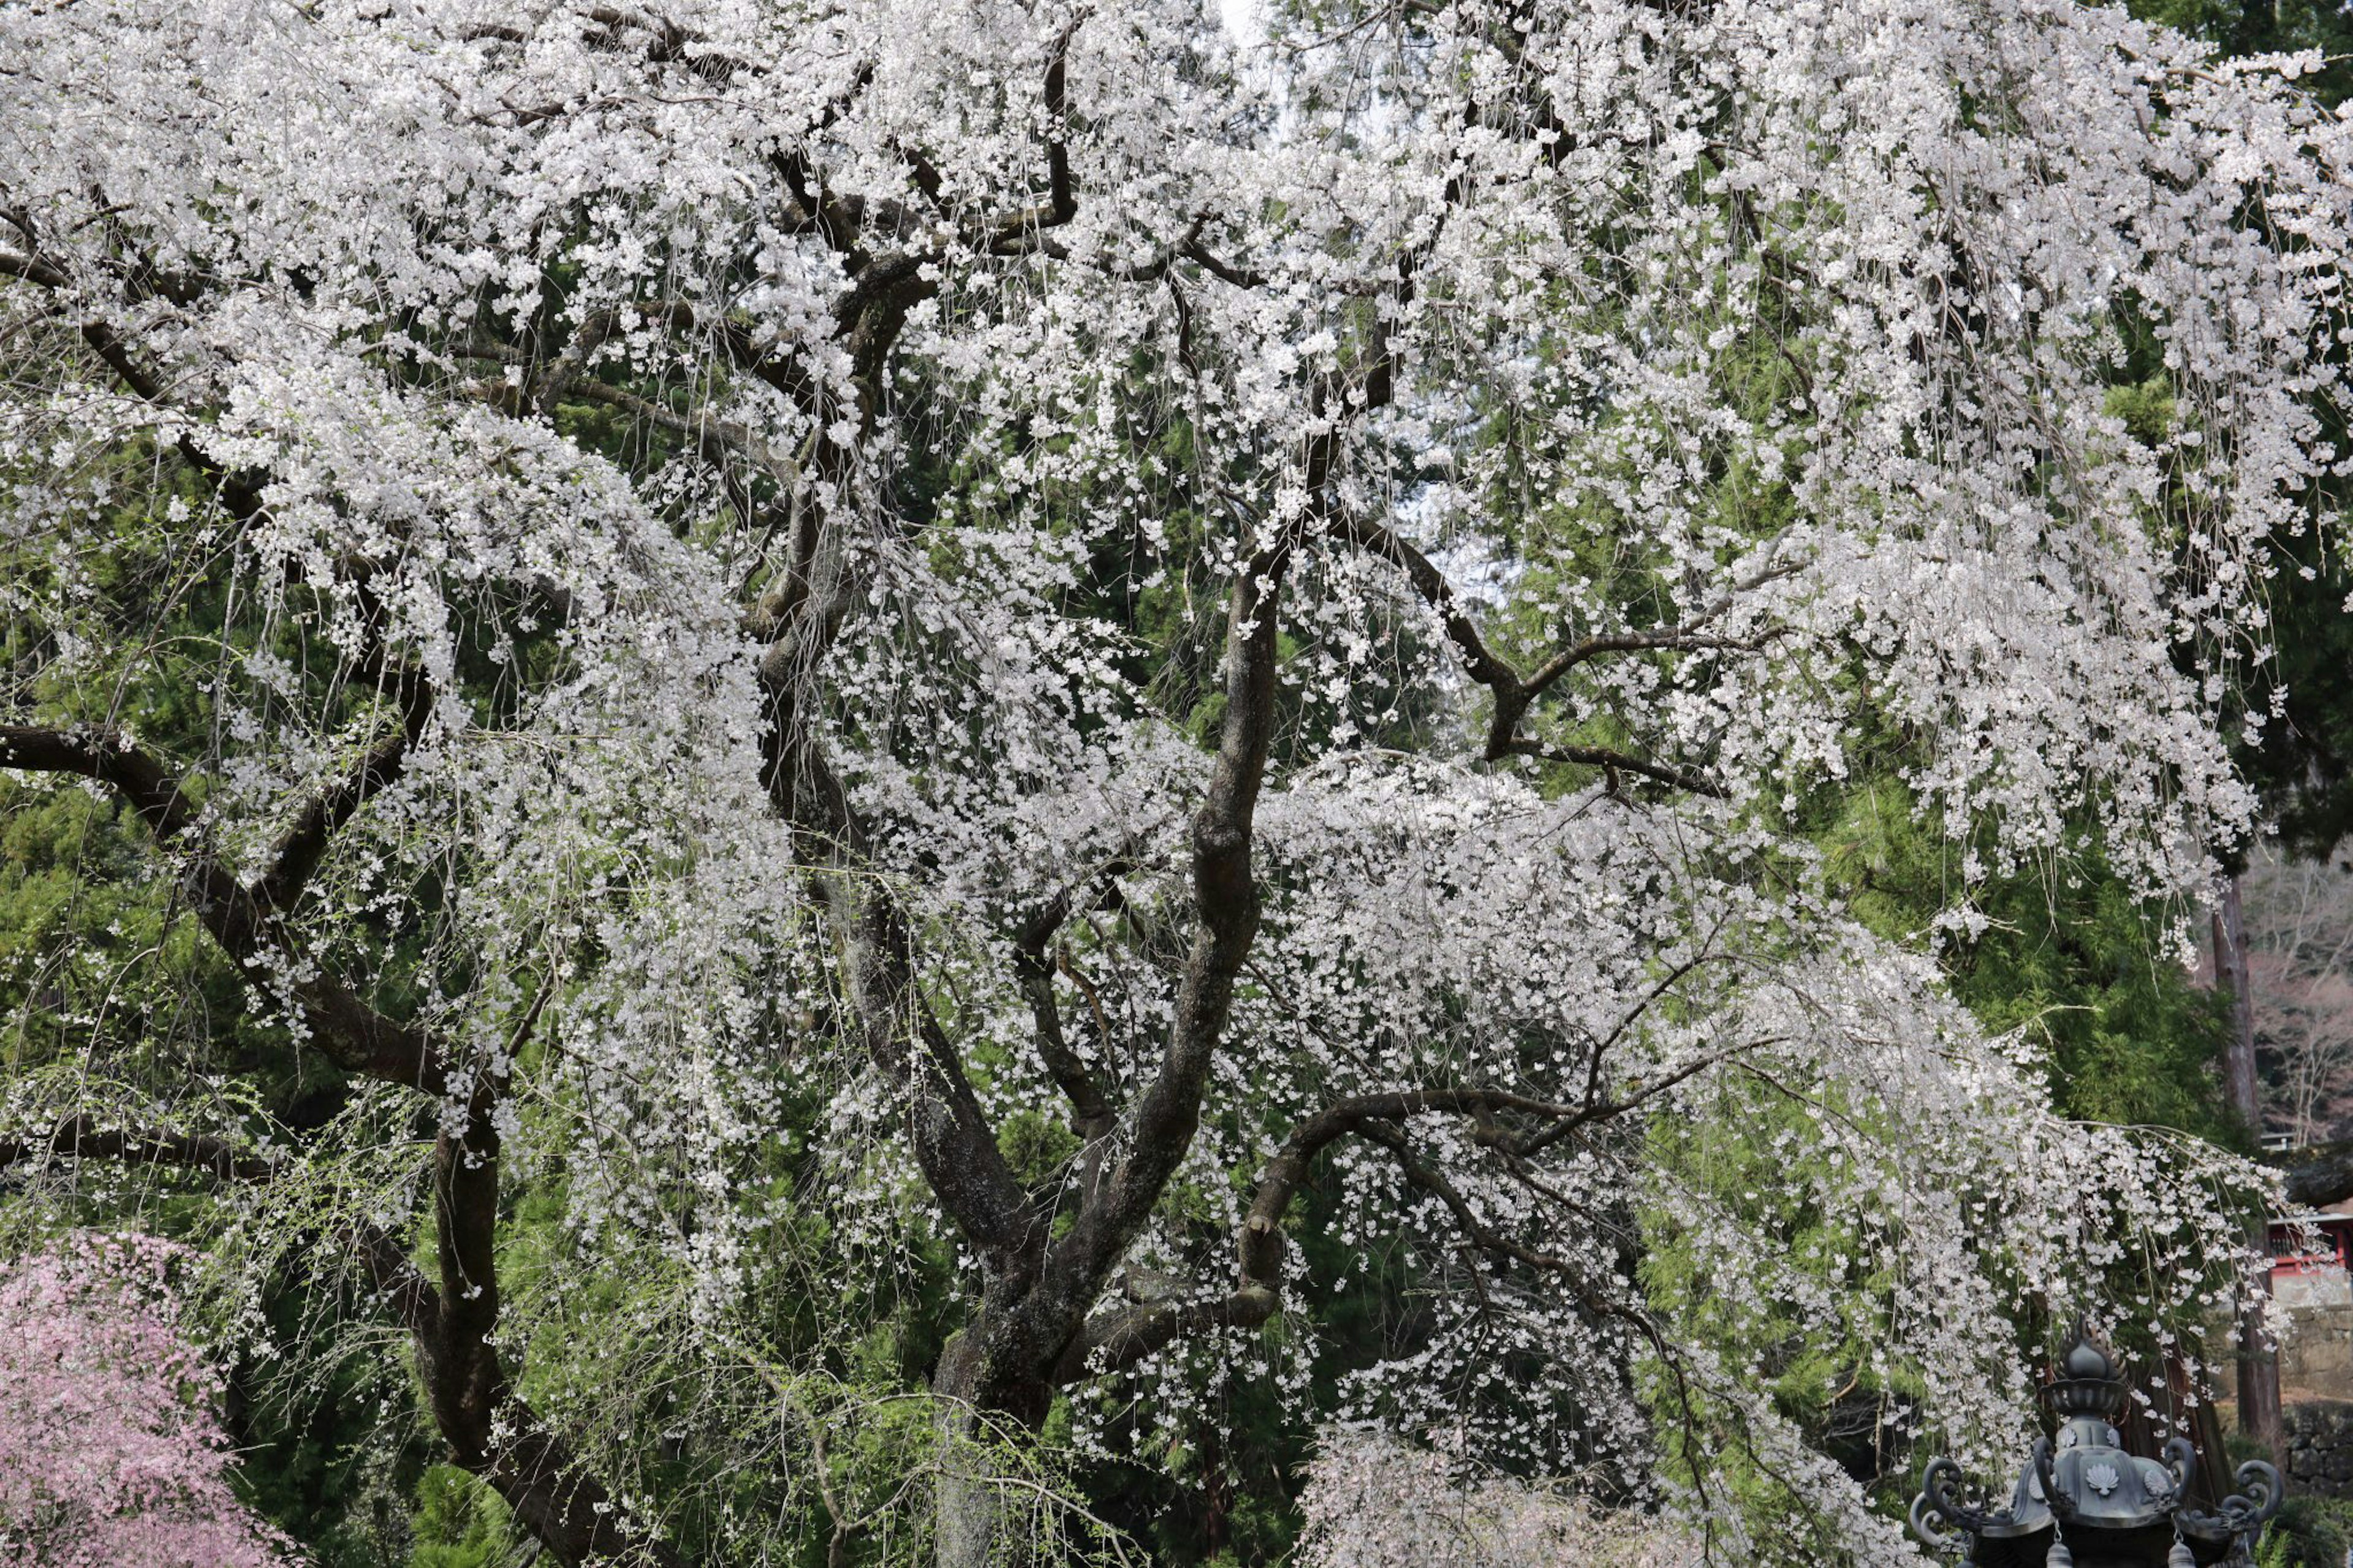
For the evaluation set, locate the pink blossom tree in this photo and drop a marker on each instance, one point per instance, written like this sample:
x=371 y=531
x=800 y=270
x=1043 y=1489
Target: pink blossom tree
x=110 y=1451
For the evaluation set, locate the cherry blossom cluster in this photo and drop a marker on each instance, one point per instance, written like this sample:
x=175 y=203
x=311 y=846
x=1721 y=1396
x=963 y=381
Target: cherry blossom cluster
x=114 y=1451
x=778 y=551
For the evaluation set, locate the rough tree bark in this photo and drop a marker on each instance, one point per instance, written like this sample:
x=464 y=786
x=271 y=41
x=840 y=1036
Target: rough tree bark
x=2259 y=1389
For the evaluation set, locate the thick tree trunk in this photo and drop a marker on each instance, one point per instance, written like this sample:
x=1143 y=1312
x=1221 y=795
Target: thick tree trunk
x=2259 y=1386
x=967 y=1516
x=983 y=1402
x=2259 y=1389
x=2230 y=935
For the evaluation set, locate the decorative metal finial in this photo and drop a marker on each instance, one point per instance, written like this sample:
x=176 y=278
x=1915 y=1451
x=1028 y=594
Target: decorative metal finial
x=2093 y=1383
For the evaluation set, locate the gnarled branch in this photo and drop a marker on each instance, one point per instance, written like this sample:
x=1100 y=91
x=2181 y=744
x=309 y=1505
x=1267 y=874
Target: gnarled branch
x=353 y=1035
x=87 y=1137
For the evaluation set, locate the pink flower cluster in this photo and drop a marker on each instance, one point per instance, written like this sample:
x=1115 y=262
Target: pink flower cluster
x=110 y=1450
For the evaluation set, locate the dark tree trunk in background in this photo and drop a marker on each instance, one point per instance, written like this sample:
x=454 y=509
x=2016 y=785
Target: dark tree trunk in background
x=2259 y=1388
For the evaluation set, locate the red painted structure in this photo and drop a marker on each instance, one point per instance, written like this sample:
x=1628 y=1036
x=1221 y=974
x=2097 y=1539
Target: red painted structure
x=2328 y=1244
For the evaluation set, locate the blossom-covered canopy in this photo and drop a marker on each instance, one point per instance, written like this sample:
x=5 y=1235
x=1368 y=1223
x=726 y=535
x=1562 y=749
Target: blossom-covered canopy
x=822 y=625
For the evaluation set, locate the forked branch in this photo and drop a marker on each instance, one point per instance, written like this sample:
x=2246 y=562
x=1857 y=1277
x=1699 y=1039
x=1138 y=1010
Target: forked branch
x=354 y=1036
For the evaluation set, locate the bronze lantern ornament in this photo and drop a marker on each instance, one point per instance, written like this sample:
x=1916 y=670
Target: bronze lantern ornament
x=2083 y=1502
